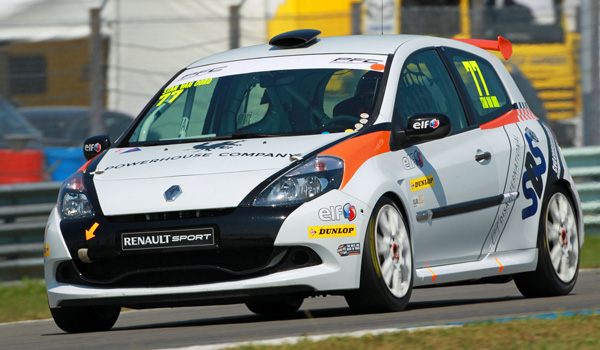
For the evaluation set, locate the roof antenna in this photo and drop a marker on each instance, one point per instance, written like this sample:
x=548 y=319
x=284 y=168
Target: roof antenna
x=381 y=17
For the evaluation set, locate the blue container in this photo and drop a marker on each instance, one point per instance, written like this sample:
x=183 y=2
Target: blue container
x=63 y=162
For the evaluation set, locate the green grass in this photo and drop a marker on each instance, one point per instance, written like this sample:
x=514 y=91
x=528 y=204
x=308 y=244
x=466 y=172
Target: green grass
x=564 y=333
x=590 y=254
x=27 y=301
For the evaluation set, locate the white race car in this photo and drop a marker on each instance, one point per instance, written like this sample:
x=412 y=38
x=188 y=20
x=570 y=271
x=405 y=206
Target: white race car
x=362 y=166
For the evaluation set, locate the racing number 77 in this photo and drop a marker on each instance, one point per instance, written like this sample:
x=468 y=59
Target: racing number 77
x=487 y=101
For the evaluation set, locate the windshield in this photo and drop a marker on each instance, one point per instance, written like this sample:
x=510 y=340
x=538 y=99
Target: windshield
x=242 y=99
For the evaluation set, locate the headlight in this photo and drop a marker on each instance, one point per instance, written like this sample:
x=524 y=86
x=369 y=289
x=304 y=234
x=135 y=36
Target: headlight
x=73 y=202
x=311 y=179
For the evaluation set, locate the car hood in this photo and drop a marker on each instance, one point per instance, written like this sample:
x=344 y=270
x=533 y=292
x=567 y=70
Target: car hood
x=216 y=174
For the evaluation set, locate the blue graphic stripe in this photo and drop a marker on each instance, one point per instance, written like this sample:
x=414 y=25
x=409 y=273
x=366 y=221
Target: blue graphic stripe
x=551 y=316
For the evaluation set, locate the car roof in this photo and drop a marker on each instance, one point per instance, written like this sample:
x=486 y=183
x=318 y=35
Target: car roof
x=359 y=44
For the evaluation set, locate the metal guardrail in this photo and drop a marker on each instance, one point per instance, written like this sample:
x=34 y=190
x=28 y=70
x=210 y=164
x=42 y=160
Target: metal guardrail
x=584 y=165
x=24 y=209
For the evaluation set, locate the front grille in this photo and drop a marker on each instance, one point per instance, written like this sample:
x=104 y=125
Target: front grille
x=170 y=215
x=185 y=268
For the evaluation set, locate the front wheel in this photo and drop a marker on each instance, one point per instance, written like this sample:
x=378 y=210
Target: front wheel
x=79 y=319
x=387 y=265
x=558 y=250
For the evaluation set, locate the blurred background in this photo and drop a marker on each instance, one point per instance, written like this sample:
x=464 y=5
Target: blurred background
x=74 y=68
x=70 y=69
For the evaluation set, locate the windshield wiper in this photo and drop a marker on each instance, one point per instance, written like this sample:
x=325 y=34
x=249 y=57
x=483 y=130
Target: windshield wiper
x=234 y=136
x=253 y=135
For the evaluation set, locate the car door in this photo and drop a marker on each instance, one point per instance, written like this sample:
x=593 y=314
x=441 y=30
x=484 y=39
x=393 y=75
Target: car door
x=487 y=101
x=454 y=183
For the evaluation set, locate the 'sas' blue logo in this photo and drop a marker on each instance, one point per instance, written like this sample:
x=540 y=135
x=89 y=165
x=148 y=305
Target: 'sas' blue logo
x=533 y=173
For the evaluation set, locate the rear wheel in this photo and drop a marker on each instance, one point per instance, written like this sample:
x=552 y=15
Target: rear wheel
x=79 y=319
x=387 y=265
x=558 y=249
x=276 y=307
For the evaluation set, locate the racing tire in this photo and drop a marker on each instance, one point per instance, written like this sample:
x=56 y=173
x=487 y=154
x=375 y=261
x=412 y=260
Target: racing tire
x=558 y=249
x=386 y=278
x=276 y=307
x=80 y=319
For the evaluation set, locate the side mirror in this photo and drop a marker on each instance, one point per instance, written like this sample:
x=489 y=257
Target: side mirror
x=95 y=145
x=422 y=127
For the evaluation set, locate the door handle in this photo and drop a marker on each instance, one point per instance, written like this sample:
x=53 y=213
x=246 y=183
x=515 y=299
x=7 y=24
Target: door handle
x=481 y=156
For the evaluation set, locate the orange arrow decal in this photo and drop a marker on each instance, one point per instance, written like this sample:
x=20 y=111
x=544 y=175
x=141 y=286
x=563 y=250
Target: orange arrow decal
x=89 y=234
x=433 y=273
x=501 y=266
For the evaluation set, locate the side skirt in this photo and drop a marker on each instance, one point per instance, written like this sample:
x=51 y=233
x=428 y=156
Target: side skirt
x=493 y=265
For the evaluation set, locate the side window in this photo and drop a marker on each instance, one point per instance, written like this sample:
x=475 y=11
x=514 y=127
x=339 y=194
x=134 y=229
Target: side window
x=482 y=84
x=426 y=87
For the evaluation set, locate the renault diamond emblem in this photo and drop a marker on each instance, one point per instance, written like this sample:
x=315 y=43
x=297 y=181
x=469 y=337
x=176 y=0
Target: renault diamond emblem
x=172 y=193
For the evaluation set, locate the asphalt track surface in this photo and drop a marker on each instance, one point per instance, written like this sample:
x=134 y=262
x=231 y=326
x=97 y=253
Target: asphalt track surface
x=191 y=326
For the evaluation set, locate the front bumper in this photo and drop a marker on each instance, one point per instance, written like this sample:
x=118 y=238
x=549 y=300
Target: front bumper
x=259 y=252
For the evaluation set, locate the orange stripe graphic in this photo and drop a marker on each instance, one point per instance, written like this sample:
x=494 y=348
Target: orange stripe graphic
x=357 y=150
x=505 y=119
x=509 y=118
x=501 y=266
x=433 y=273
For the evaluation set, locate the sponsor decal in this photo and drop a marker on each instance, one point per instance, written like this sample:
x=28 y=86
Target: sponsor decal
x=211 y=146
x=533 y=174
x=46 y=250
x=335 y=213
x=201 y=151
x=349 y=249
x=418 y=201
x=255 y=155
x=532 y=135
x=553 y=151
x=418 y=158
x=412 y=160
x=173 y=92
x=357 y=60
x=500 y=223
x=92 y=147
x=202 y=72
x=137 y=149
x=156 y=160
x=421 y=183
x=332 y=231
x=349 y=212
x=168 y=239
x=426 y=124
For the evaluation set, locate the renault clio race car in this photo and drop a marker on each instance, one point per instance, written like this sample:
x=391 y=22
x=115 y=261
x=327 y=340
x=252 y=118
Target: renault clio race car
x=362 y=166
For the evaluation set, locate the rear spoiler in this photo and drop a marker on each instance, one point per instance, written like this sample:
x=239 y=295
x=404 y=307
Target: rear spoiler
x=502 y=45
